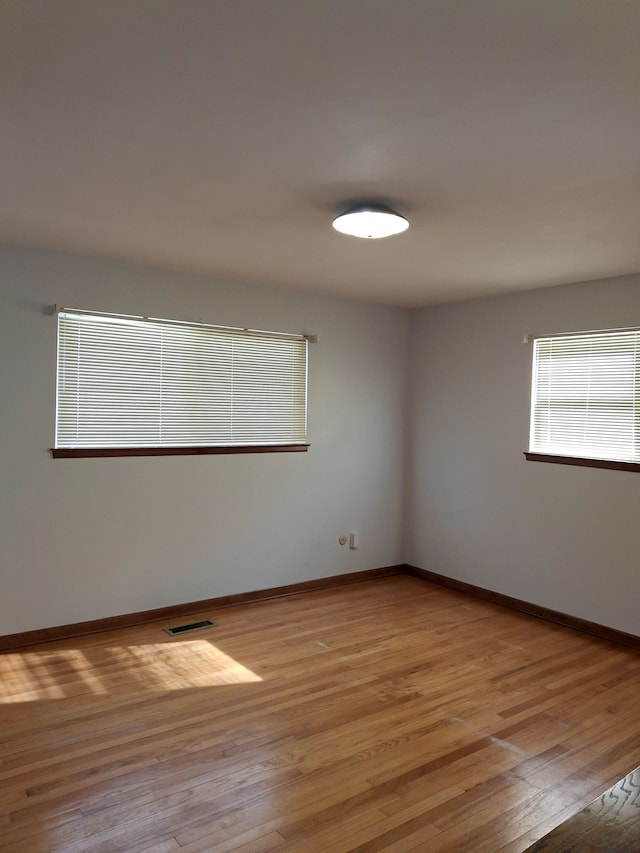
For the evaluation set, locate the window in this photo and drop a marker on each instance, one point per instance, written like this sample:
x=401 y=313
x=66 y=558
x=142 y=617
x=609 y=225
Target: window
x=131 y=386
x=585 y=399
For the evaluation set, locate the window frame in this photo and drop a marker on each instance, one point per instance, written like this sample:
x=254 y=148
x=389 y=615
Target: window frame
x=271 y=444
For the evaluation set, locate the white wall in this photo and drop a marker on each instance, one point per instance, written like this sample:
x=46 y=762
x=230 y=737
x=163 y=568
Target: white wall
x=86 y=538
x=563 y=537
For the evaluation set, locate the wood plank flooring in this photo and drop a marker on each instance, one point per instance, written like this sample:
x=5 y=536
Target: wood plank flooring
x=389 y=715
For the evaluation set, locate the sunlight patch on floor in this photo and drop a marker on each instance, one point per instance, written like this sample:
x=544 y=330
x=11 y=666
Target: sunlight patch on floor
x=100 y=671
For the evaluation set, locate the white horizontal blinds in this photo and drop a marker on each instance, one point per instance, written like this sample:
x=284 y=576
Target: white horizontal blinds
x=586 y=396
x=138 y=383
x=109 y=387
x=269 y=390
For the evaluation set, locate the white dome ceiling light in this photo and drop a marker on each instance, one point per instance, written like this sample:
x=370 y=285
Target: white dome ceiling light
x=370 y=221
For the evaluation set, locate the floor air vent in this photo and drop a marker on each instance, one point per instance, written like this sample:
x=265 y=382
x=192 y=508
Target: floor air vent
x=191 y=626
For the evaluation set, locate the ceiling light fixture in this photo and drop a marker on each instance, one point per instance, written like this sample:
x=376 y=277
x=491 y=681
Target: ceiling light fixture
x=370 y=221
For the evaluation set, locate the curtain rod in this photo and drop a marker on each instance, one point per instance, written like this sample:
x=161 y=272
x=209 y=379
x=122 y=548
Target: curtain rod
x=527 y=339
x=196 y=324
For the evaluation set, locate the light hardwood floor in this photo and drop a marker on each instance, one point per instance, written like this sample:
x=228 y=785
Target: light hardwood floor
x=388 y=715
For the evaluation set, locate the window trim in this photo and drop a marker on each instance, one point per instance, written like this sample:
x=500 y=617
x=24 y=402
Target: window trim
x=192 y=450
x=582 y=461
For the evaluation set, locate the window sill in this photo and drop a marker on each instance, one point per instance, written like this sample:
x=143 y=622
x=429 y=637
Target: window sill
x=582 y=461
x=84 y=452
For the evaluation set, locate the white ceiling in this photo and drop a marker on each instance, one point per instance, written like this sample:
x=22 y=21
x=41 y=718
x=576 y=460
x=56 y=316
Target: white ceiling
x=221 y=136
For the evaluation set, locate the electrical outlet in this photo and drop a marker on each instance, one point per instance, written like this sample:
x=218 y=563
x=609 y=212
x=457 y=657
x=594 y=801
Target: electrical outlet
x=342 y=539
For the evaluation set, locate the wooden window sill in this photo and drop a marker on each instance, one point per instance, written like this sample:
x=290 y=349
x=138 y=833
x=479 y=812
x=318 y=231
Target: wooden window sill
x=84 y=452
x=582 y=461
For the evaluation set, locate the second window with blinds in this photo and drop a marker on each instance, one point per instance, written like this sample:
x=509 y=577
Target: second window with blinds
x=133 y=386
x=585 y=402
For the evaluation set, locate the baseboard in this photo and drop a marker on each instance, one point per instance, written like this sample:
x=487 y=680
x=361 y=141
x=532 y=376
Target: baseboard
x=9 y=642
x=593 y=628
x=176 y=611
